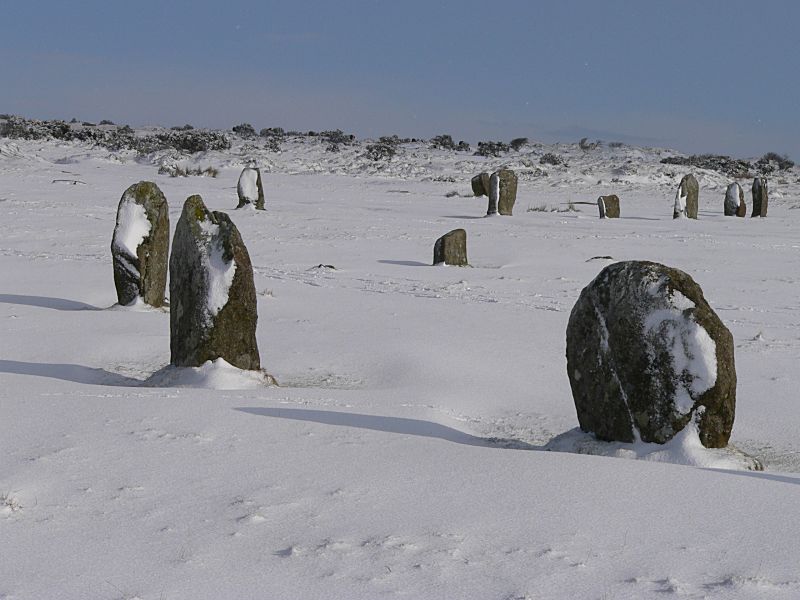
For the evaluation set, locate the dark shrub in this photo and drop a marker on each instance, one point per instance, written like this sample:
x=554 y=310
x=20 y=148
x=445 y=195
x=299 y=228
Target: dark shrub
x=244 y=130
x=491 y=148
x=551 y=159
x=518 y=143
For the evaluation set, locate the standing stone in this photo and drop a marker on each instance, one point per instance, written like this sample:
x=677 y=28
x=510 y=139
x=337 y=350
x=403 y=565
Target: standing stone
x=250 y=189
x=140 y=245
x=646 y=355
x=760 y=199
x=478 y=188
x=686 y=198
x=213 y=298
x=734 y=201
x=494 y=194
x=608 y=206
x=507 y=191
x=451 y=249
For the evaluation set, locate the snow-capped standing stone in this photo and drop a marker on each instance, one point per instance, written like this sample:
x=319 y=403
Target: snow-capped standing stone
x=686 y=198
x=647 y=356
x=760 y=197
x=250 y=189
x=451 y=249
x=494 y=194
x=734 y=201
x=213 y=298
x=140 y=245
x=608 y=206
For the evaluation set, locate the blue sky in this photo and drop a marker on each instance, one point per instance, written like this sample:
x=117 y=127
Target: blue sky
x=701 y=76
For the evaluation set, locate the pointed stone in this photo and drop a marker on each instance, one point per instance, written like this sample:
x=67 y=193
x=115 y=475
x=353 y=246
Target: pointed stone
x=250 y=189
x=608 y=206
x=760 y=197
x=213 y=311
x=451 y=249
x=140 y=245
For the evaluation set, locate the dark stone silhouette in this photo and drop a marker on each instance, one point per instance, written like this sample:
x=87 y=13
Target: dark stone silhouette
x=451 y=249
x=608 y=206
x=141 y=272
x=213 y=297
x=250 y=189
x=646 y=355
x=760 y=197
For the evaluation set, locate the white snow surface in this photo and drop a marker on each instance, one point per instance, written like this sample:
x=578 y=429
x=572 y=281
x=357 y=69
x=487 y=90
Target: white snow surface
x=405 y=453
x=132 y=226
x=220 y=271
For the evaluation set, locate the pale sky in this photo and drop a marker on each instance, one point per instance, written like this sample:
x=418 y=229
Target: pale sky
x=699 y=76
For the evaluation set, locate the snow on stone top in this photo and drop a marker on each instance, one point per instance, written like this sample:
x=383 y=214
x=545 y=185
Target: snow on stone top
x=248 y=184
x=220 y=271
x=132 y=225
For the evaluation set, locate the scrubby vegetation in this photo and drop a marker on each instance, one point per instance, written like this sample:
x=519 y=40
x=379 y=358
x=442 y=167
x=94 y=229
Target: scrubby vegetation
x=335 y=138
x=518 y=143
x=178 y=171
x=734 y=167
x=586 y=145
x=445 y=142
x=244 y=130
x=491 y=148
x=773 y=161
x=384 y=149
x=551 y=159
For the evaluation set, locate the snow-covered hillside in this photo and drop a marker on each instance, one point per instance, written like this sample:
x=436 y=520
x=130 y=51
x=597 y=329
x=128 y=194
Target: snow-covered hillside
x=412 y=446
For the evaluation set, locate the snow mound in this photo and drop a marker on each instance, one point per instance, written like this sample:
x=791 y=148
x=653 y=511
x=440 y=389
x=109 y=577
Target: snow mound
x=214 y=375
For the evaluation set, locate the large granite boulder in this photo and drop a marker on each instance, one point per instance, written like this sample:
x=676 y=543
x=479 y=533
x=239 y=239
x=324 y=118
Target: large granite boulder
x=451 y=249
x=250 y=189
x=686 y=198
x=608 y=206
x=734 y=201
x=213 y=311
x=760 y=197
x=646 y=355
x=140 y=245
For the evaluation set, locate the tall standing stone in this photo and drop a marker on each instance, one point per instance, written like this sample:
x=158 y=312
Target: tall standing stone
x=140 y=245
x=760 y=197
x=451 y=249
x=734 y=201
x=213 y=310
x=494 y=194
x=250 y=189
x=646 y=355
x=608 y=206
x=507 y=195
x=686 y=198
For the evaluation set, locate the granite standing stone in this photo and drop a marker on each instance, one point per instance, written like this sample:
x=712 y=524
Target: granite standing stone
x=213 y=298
x=646 y=355
x=451 y=249
x=494 y=194
x=250 y=189
x=608 y=206
x=140 y=245
x=477 y=185
x=507 y=191
x=760 y=197
x=734 y=201
x=686 y=198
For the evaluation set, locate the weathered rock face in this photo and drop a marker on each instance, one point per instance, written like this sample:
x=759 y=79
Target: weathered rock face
x=686 y=199
x=507 y=189
x=451 y=249
x=213 y=310
x=760 y=197
x=734 y=201
x=646 y=355
x=478 y=188
x=608 y=206
x=250 y=189
x=140 y=245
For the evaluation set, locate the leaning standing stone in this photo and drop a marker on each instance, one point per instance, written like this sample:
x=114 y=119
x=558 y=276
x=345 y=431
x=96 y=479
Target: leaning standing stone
x=140 y=245
x=213 y=298
x=507 y=195
x=734 y=201
x=451 y=249
x=647 y=356
x=686 y=198
x=608 y=206
x=760 y=198
x=250 y=189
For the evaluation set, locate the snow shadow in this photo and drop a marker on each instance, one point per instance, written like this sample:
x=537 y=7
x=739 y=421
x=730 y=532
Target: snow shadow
x=464 y=217
x=761 y=475
x=68 y=372
x=405 y=263
x=399 y=425
x=46 y=302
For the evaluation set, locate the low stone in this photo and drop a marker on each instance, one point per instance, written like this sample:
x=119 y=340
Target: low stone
x=477 y=185
x=250 y=189
x=213 y=311
x=647 y=357
x=686 y=198
x=608 y=206
x=451 y=249
x=734 y=201
x=140 y=245
x=760 y=197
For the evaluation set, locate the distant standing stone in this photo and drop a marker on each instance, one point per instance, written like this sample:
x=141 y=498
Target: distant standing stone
x=250 y=189
x=608 y=206
x=507 y=191
x=451 y=249
x=647 y=356
x=760 y=197
x=140 y=245
x=494 y=194
x=734 y=201
x=213 y=298
x=686 y=198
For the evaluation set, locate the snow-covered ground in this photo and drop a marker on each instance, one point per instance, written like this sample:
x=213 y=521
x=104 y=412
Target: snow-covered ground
x=406 y=451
